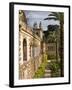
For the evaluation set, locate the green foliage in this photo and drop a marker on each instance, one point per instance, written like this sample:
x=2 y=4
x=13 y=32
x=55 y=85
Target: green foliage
x=54 y=66
x=57 y=16
x=41 y=70
x=60 y=17
x=55 y=74
x=44 y=58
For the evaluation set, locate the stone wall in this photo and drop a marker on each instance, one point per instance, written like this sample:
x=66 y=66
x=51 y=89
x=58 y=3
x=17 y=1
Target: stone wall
x=30 y=64
x=28 y=69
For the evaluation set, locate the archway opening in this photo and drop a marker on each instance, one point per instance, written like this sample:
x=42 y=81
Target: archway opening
x=24 y=50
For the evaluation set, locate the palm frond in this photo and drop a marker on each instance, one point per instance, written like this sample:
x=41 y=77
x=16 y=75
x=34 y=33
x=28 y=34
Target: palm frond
x=51 y=18
x=55 y=14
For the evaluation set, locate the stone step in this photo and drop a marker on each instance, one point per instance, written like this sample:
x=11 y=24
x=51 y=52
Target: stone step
x=48 y=71
x=47 y=75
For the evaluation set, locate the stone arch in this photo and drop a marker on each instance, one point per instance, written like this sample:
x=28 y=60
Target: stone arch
x=24 y=50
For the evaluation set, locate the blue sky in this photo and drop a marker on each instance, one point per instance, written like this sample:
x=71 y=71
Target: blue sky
x=37 y=16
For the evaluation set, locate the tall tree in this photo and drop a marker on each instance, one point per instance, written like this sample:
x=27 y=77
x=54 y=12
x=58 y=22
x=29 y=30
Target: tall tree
x=60 y=17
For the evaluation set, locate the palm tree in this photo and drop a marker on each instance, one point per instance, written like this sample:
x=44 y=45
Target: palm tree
x=60 y=17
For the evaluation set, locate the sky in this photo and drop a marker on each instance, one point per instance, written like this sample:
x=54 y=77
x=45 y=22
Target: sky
x=37 y=16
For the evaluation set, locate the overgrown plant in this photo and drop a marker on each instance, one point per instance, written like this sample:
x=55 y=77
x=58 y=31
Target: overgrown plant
x=54 y=67
x=41 y=70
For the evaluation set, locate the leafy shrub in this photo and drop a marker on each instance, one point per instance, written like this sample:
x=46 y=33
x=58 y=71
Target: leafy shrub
x=41 y=70
x=54 y=66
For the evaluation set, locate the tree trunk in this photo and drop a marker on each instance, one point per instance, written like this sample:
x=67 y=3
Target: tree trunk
x=62 y=49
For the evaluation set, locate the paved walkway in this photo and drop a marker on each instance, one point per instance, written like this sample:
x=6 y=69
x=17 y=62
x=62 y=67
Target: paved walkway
x=47 y=71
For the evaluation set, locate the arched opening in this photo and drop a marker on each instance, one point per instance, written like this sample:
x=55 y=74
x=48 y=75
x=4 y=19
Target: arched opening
x=24 y=50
